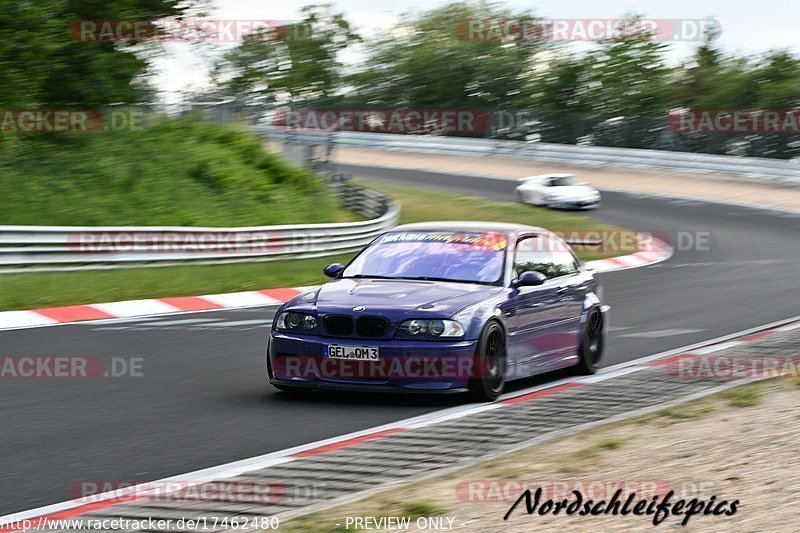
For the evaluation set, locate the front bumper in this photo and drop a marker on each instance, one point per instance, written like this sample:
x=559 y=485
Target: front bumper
x=403 y=365
x=574 y=204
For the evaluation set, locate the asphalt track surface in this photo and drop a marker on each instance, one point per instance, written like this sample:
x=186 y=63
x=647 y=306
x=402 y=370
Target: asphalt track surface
x=202 y=397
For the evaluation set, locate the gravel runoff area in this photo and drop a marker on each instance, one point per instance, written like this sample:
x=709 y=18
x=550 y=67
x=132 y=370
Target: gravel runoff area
x=700 y=186
x=739 y=445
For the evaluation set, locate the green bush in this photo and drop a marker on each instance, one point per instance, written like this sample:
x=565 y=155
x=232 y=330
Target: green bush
x=176 y=172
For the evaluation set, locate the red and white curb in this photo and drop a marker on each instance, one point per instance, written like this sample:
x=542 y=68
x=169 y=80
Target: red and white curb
x=140 y=308
x=76 y=508
x=653 y=251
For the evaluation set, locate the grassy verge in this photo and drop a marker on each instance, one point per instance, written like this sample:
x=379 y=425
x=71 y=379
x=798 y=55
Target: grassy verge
x=32 y=290
x=175 y=173
x=426 y=204
x=47 y=289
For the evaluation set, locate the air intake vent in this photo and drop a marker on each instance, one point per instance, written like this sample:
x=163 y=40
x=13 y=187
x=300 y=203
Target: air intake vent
x=339 y=325
x=371 y=326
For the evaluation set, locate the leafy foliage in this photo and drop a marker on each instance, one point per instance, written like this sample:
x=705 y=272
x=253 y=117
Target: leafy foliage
x=298 y=61
x=182 y=172
x=427 y=62
x=42 y=63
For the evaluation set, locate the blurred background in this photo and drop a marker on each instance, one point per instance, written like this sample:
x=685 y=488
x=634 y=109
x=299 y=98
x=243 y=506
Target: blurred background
x=230 y=116
x=575 y=86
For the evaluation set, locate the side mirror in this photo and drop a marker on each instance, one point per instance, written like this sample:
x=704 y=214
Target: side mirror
x=532 y=278
x=333 y=270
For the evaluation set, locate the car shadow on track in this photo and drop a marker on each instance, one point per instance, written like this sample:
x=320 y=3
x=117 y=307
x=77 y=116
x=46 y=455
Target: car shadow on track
x=389 y=399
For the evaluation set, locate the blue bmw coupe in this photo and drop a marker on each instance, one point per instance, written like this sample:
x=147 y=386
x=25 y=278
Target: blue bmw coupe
x=442 y=307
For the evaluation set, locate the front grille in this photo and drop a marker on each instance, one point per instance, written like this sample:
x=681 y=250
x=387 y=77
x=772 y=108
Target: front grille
x=371 y=326
x=340 y=325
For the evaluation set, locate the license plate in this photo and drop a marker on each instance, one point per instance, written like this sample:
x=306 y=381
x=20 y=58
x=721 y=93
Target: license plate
x=359 y=353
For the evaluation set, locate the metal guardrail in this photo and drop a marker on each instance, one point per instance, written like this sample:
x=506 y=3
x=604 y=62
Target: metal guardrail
x=42 y=248
x=751 y=167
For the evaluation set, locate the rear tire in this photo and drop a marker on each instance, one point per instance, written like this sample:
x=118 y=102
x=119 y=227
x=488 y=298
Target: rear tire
x=488 y=375
x=592 y=343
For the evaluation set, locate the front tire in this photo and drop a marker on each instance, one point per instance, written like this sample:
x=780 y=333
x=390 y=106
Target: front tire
x=592 y=343
x=488 y=376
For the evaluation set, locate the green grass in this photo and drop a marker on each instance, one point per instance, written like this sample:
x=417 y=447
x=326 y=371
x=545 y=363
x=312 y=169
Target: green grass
x=179 y=172
x=420 y=205
x=47 y=289
x=610 y=443
x=326 y=523
x=686 y=411
x=316 y=523
x=33 y=290
x=744 y=396
x=419 y=509
x=588 y=456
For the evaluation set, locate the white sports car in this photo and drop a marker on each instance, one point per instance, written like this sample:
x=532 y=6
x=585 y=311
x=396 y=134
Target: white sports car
x=557 y=191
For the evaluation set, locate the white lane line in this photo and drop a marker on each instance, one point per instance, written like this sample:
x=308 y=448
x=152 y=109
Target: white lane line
x=660 y=333
x=790 y=327
x=452 y=414
x=192 y=324
x=604 y=375
x=239 y=323
x=181 y=321
x=714 y=348
x=283 y=456
x=122 y=320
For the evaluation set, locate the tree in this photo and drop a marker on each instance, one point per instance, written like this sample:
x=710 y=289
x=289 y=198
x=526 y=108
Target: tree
x=630 y=87
x=561 y=99
x=43 y=64
x=429 y=61
x=298 y=62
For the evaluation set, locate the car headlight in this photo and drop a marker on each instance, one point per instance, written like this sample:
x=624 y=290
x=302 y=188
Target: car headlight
x=434 y=328
x=293 y=321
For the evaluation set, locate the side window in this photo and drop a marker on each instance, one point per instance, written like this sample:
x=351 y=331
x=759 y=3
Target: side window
x=564 y=263
x=533 y=253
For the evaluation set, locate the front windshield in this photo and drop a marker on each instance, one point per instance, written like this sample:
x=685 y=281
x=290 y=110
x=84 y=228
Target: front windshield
x=562 y=181
x=474 y=257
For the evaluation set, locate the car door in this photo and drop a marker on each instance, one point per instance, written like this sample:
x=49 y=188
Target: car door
x=570 y=285
x=531 y=311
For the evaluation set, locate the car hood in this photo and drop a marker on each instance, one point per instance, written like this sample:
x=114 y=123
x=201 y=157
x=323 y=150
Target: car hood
x=572 y=191
x=397 y=298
